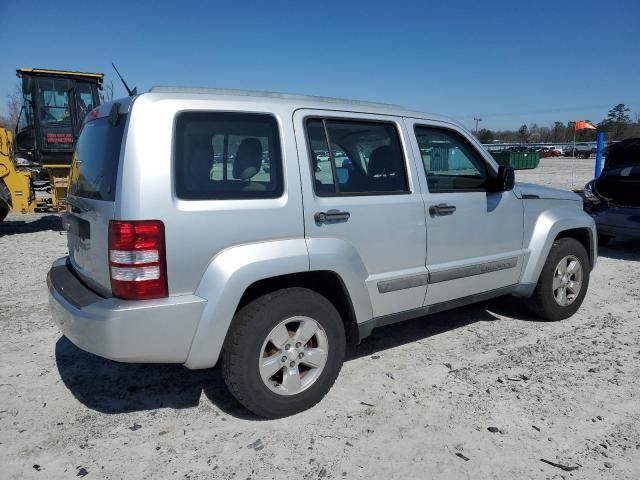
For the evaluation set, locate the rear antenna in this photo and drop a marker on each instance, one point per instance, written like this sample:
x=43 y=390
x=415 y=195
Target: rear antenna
x=129 y=91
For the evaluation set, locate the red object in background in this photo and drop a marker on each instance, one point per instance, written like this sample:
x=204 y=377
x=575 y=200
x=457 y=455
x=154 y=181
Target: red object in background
x=546 y=152
x=59 y=138
x=581 y=125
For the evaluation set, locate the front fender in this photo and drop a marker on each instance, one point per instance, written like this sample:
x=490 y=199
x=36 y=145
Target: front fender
x=227 y=277
x=548 y=225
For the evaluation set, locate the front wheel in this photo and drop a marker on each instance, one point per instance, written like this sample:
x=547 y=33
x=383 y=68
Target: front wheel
x=283 y=352
x=563 y=282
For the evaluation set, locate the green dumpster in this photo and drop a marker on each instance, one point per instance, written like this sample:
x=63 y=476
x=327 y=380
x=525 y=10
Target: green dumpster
x=517 y=160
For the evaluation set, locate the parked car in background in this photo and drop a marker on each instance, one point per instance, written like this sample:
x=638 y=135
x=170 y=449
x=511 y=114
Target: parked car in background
x=559 y=150
x=272 y=270
x=613 y=199
x=550 y=152
x=581 y=150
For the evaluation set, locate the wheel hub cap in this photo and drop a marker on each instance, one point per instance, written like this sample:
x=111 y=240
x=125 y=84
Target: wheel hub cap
x=293 y=355
x=567 y=280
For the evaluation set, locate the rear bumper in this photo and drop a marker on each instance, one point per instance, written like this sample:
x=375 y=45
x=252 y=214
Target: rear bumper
x=146 y=331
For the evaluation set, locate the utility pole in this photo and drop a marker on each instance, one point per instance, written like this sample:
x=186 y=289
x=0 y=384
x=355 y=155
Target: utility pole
x=477 y=120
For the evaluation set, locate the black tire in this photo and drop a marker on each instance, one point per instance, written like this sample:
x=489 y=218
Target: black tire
x=604 y=240
x=243 y=346
x=543 y=302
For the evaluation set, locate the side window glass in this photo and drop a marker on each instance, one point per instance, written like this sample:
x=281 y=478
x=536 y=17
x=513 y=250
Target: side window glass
x=355 y=157
x=227 y=155
x=450 y=163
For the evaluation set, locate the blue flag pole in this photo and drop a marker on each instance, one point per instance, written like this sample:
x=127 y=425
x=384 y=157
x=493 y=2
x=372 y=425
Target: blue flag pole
x=600 y=146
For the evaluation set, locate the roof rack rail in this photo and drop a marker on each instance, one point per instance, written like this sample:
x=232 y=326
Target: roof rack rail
x=264 y=94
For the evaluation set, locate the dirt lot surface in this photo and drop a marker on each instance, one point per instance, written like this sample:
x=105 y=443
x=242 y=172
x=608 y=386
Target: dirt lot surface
x=482 y=392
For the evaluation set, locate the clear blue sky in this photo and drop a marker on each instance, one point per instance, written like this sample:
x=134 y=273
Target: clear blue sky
x=511 y=62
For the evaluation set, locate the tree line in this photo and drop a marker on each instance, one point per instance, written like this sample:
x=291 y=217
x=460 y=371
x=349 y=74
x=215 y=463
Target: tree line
x=618 y=125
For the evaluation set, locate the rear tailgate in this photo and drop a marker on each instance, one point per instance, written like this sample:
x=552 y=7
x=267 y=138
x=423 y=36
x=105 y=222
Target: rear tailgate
x=92 y=195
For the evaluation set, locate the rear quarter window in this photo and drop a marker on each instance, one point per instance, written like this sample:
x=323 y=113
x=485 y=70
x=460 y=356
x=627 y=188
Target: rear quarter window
x=225 y=155
x=94 y=168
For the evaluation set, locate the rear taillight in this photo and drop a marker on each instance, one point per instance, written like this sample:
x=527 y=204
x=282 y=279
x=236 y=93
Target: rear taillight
x=137 y=259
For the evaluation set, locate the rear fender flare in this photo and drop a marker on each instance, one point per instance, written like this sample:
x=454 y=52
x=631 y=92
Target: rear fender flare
x=227 y=277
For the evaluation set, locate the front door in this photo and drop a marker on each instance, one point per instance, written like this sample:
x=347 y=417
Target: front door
x=474 y=235
x=363 y=205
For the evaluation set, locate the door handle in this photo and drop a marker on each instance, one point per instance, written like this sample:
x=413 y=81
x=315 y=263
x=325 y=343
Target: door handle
x=441 y=209
x=331 y=216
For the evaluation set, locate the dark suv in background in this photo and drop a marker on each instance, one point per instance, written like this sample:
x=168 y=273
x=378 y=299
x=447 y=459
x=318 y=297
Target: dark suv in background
x=613 y=199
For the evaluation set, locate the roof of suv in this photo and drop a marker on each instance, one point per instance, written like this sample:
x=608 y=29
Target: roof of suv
x=300 y=101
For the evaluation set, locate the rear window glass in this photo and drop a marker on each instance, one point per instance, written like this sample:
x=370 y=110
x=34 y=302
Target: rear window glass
x=95 y=162
x=222 y=155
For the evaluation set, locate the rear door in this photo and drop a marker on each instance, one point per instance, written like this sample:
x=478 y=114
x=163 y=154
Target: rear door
x=474 y=235
x=361 y=196
x=91 y=199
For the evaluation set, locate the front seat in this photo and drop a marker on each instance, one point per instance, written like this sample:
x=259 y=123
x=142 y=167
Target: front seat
x=385 y=168
x=247 y=164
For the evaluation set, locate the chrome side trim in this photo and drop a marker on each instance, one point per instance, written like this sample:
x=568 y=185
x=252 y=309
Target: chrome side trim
x=471 y=270
x=403 y=283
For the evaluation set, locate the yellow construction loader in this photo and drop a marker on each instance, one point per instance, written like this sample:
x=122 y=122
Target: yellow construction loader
x=38 y=158
x=16 y=192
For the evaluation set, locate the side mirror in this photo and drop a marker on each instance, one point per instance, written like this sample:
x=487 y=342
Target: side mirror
x=505 y=180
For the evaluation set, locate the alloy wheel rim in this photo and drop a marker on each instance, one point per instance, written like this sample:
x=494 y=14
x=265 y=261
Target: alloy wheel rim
x=567 y=280
x=293 y=356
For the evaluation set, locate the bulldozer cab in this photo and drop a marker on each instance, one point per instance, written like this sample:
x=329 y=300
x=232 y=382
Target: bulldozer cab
x=55 y=103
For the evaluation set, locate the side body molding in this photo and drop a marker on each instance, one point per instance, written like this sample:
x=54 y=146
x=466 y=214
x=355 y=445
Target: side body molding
x=228 y=275
x=542 y=227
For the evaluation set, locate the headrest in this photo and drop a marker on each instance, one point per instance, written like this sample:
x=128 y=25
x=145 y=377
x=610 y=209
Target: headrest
x=382 y=161
x=248 y=159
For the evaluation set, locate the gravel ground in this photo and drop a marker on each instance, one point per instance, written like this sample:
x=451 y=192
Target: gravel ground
x=482 y=392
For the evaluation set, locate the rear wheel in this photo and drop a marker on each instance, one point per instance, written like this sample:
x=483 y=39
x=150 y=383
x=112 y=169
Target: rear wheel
x=283 y=352
x=563 y=282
